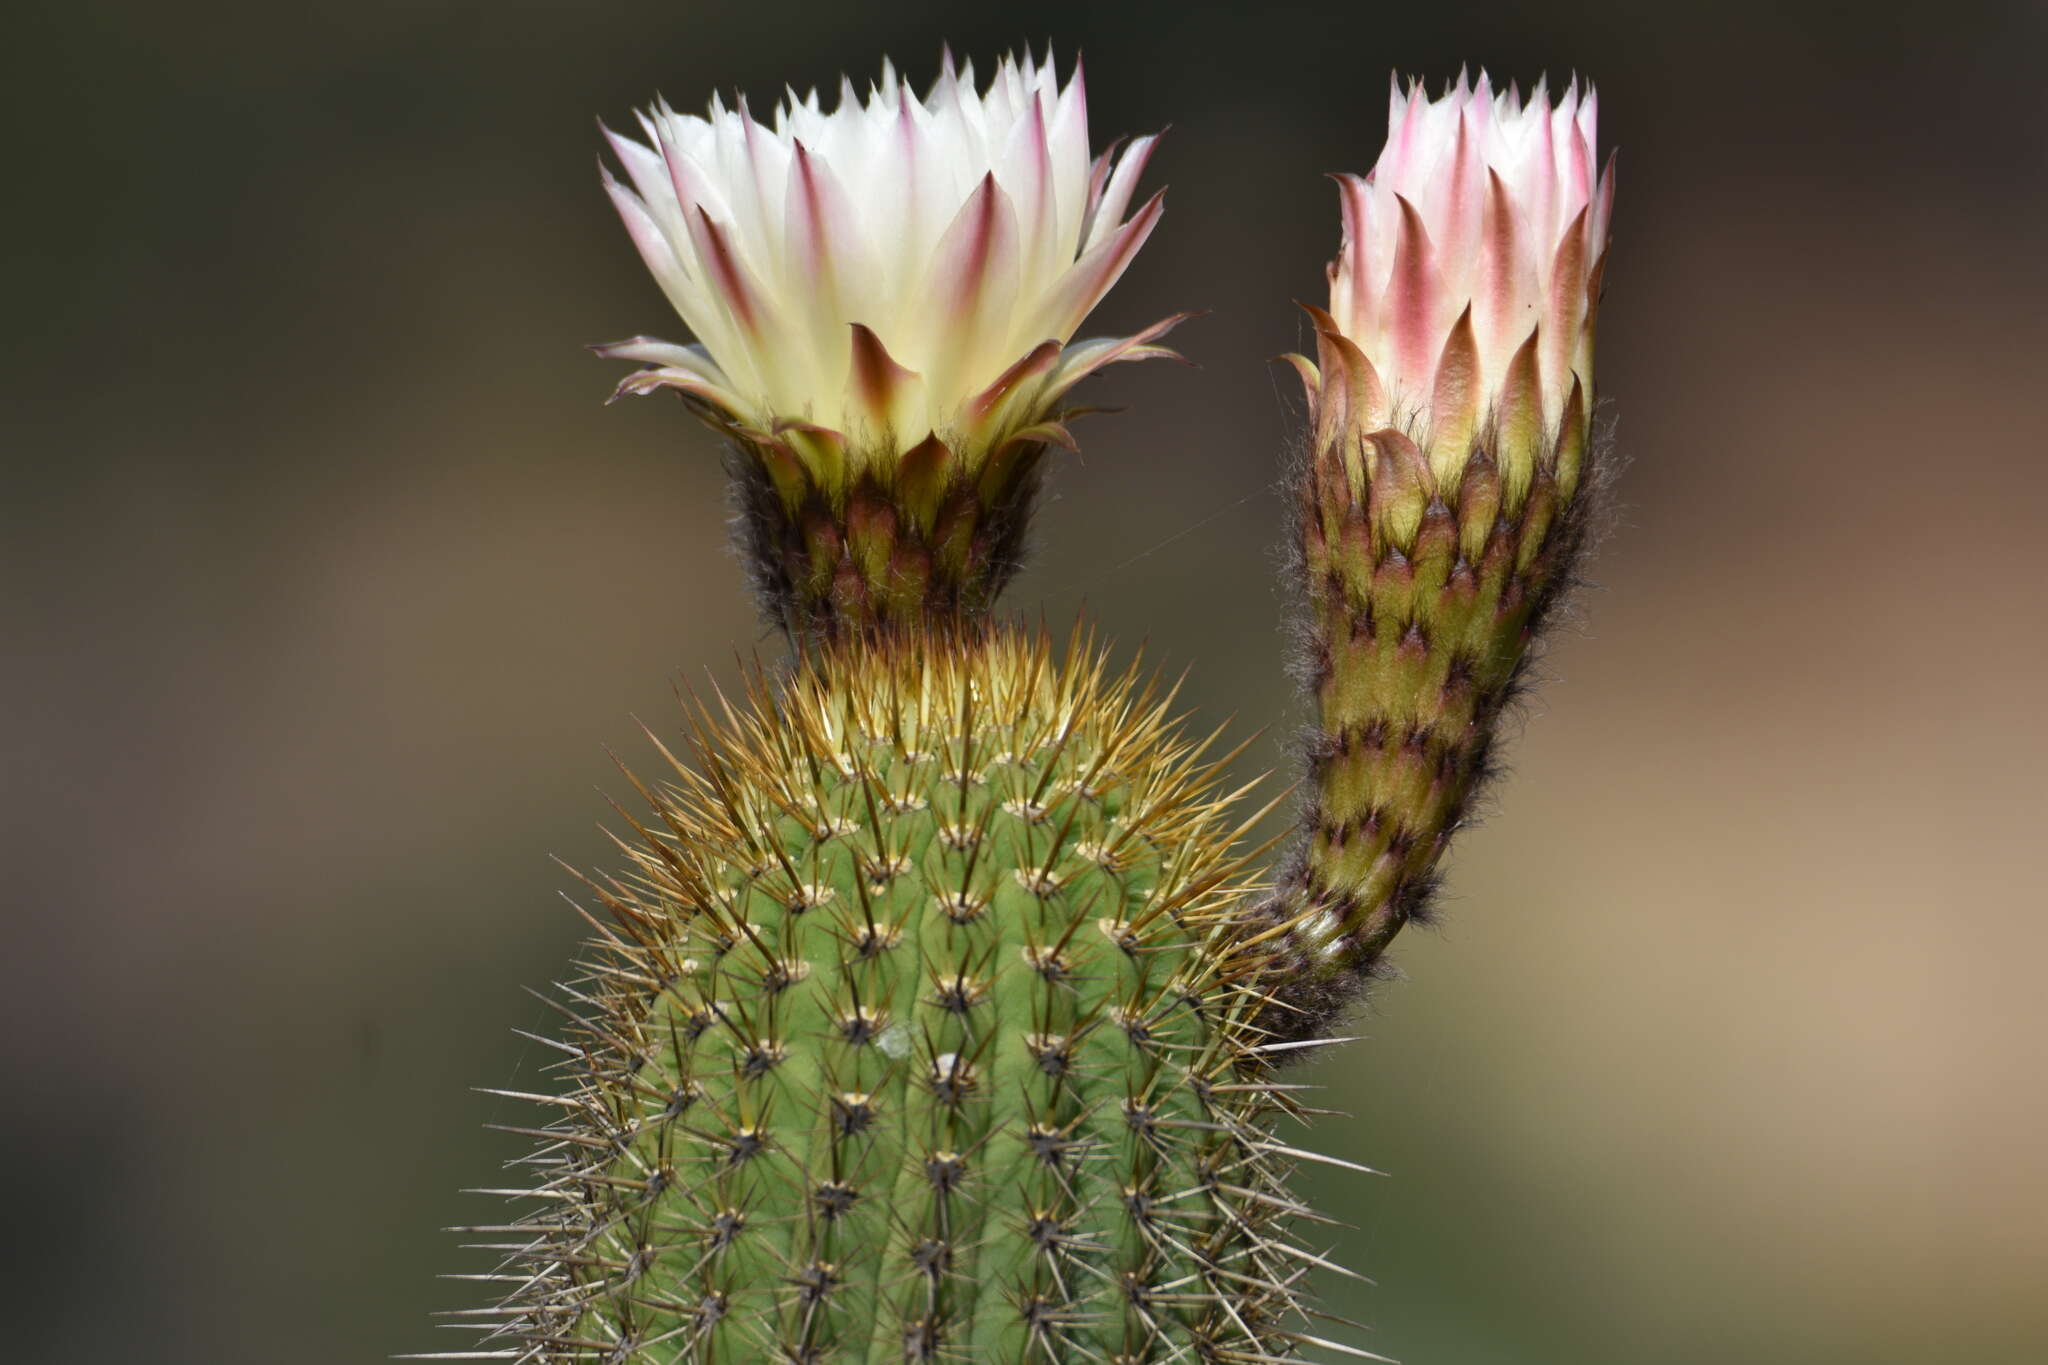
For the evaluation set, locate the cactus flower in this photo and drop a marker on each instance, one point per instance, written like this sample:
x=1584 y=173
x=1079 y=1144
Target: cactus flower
x=895 y=269
x=1441 y=506
x=884 y=299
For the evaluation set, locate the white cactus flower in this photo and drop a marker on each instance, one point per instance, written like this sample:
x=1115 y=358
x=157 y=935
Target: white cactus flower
x=1462 y=301
x=898 y=270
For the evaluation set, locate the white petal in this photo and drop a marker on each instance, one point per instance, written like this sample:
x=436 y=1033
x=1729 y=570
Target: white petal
x=1108 y=214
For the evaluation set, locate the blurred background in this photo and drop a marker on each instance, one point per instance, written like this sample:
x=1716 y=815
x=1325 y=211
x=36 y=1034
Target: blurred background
x=328 y=580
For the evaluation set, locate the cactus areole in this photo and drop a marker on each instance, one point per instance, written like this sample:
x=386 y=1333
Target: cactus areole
x=934 y=1011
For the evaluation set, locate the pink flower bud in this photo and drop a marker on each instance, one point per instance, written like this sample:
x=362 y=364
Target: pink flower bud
x=1469 y=275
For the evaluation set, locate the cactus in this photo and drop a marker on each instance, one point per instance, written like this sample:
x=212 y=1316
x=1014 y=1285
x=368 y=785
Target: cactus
x=917 y=1030
x=935 y=1011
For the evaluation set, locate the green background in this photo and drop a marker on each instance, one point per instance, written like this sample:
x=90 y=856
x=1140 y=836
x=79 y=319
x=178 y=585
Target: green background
x=327 y=581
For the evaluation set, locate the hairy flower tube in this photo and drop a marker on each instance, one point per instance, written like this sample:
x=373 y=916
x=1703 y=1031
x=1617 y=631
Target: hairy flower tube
x=1441 y=500
x=884 y=298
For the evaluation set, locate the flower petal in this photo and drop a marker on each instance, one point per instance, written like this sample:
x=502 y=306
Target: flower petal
x=1106 y=214
x=884 y=396
x=970 y=287
x=1077 y=292
x=1084 y=358
x=1419 y=309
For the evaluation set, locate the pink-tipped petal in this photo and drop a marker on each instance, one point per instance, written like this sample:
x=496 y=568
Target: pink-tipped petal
x=1018 y=385
x=687 y=382
x=1404 y=131
x=642 y=164
x=648 y=238
x=1457 y=192
x=1416 y=318
x=1077 y=291
x=1565 y=309
x=971 y=285
x=976 y=254
x=1504 y=294
x=1353 y=295
x=1069 y=147
x=1029 y=160
x=654 y=351
x=883 y=392
x=1084 y=358
x=1098 y=181
x=1603 y=210
x=1107 y=214
x=735 y=286
x=1365 y=397
x=822 y=233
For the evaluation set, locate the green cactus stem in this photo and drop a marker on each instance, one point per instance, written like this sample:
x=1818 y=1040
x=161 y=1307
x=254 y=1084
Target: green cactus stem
x=918 y=1030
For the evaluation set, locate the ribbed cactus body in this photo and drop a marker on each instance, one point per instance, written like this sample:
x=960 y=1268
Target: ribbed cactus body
x=917 y=1035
